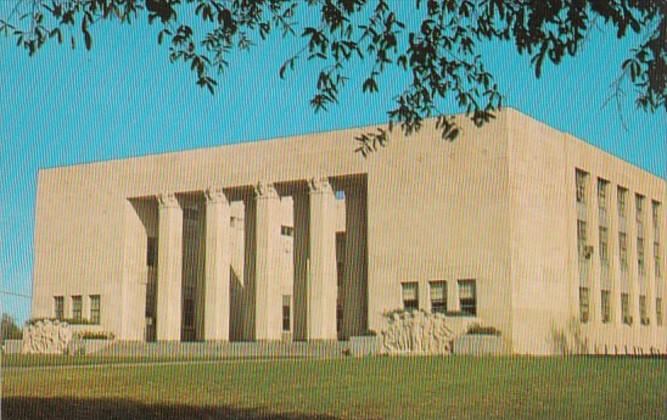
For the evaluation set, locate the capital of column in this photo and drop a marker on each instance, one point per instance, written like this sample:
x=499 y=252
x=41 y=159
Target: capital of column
x=215 y=195
x=167 y=200
x=264 y=190
x=319 y=185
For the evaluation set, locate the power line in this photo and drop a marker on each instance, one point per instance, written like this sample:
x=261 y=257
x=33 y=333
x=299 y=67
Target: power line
x=4 y=292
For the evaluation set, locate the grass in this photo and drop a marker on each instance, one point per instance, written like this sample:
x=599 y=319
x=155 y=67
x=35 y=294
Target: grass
x=382 y=387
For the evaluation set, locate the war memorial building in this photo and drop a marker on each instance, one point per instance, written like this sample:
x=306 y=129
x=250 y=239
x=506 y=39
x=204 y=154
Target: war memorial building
x=522 y=226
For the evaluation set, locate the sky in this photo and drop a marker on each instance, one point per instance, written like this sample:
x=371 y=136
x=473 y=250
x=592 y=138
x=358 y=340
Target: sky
x=124 y=98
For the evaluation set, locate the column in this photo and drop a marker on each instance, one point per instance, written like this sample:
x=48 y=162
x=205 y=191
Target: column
x=170 y=244
x=322 y=278
x=614 y=260
x=593 y=240
x=264 y=275
x=300 y=257
x=354 y=286
x=217 y=266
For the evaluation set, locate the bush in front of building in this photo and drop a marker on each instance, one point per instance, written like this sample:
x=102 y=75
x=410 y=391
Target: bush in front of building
x=477 y=329
x=10 y=329
x=70 y=321
x=96 y=335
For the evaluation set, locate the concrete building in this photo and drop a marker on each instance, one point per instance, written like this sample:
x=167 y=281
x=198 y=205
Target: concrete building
x=530 y=229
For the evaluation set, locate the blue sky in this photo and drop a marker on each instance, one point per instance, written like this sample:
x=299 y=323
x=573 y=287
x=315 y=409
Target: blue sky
x=124 y=98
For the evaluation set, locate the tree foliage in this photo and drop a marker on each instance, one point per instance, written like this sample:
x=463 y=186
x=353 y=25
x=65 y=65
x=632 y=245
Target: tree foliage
x=438 y=44
x=10 y=330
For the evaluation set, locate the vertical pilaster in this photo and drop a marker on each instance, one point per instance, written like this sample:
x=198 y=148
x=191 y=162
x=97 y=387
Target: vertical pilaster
x=217 y=266
x=649 y=264
x=593 y=225
x=616 y=317
x=268 y=303
x=322 y=287
x=300 y=256
x=170 y=243
x=355 y=277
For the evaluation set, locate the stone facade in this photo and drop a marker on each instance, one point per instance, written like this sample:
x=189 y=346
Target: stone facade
x=303 y=238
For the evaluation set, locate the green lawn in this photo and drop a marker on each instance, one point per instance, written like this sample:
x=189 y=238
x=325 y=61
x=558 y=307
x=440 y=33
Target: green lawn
x=397 y=387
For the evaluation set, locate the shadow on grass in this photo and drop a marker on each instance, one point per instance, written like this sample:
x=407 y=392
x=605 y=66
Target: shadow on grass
x=102 y=409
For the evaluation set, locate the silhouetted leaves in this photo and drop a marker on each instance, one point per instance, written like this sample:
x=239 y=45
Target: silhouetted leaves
x=440 y=49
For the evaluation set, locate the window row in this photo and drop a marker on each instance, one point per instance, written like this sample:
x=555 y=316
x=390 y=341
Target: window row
x=467 y=291
x=605 y=308
x=77 y=308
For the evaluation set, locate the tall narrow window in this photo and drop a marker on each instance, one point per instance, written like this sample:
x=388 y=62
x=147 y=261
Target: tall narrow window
x=95 y=309
x=656 y=258
x=604 y=303
x=658 y=311
x=656 y=220
x=643 y=316
x=640 y=256
x=581 y=186
x=468 y=296
x=623 y=250
x=639 y=215
x=602 y=198
x=622 y=198
x=581 y=236
x=604 y=246
x=287 y=313
x=438 y=296
x=625 y=309
x=151 y=252
x=76 y=308
x=59 y=307
x=584 y=304
x=410 y=296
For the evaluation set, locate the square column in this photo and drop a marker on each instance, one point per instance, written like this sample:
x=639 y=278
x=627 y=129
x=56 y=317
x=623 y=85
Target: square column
x=217 y=266
x=322 y=279
x=354 y=280
x=170 y=260
x=262 y=286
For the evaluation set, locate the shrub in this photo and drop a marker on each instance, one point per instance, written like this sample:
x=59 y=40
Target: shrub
x=476 y=329
x=70 y=321
x=96 y=335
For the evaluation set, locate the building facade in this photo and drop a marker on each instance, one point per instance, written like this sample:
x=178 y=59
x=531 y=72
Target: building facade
x=526 y=228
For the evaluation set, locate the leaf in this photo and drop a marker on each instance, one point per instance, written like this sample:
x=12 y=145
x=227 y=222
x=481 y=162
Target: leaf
x=88 y=40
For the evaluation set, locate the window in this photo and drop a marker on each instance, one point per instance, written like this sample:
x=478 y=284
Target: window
x=622 y=196
x=151 y=252
x=438 y=297
x=584 y=304
x=95 y=309
x=604 y=247
x=581 y=236
x=188 y=313
x=76 y=307
x=602 y=198
x=410 y=296
x=658 y=311
x=656 y=257
x=468 y=296
x=581 y=186
x=639 y=205
x=59 y=307
x=643 y=317
x=190 y=213
x=286 y=230
x=287 y=299
x=655 y=210
x=604 y=303
x=625 y=309
x=640 y=255
x=623 y=250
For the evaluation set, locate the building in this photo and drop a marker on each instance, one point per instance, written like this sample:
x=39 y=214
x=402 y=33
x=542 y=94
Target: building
x=527 y=228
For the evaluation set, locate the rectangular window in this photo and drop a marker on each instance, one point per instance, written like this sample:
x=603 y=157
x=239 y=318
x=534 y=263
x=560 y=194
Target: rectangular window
x=640 y=256
x=639 y=214
x=95 y=309
x=605 y=306
x=581 y=236
x=287 y=312
x=286 y=230
x=76 y=307
x=468 y=296
x=151 y=252
x=584 y=304
x=59 y=307
x=655 y=210
x=658 y=311
x=623 y=250
x=604 y=246
x=656 y=258
x=625 y=309
x=438 y=297
x=581 y=186
x=602 y=198
x=643 y=316
x=622 y=198
x=410 y=296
